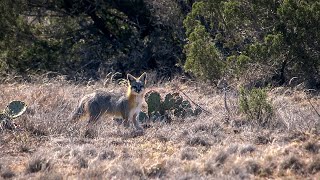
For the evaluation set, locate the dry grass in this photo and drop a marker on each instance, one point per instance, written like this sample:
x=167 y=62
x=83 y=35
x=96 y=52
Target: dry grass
x=48 y=146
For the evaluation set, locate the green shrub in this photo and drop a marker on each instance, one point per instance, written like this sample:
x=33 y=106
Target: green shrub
x=254 y=104
x=202 y=57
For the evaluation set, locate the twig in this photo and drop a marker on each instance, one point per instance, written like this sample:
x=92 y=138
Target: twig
x=313 y=108
x=225 y=101
x=208 y=112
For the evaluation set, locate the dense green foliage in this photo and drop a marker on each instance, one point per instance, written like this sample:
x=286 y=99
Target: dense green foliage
x=273 y=39
x=270 y=41
x=87 y=38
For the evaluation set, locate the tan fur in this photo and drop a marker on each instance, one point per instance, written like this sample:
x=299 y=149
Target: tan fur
x=100 y=102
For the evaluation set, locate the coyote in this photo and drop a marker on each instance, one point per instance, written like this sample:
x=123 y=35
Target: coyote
x=128 y=107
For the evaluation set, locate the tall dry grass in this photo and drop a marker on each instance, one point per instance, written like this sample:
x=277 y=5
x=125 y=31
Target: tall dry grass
x=220 y=145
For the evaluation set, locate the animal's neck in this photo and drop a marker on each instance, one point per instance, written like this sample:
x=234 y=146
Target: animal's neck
x=133 y=97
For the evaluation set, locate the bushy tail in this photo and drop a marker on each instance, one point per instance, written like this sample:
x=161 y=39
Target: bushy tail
x=78 y=112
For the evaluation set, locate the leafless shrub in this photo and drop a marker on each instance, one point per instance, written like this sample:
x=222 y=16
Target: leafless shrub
x=268 y=169
x=82 y=162
x=187 y=176
x=189 y=154
x=213 y=128
x=7 y=174
x=262 y=140
x=247 y=149
x=125 y=170
x=216 y=162
x=198 y=141
x=156 y=171
x=37 y=163
x=93 y=173
x=314 y=166
x=238 y=173
x=107 y=155
x=312 y=147
x=253 y=167
x=292 y=163
x=162 y=137
x=221 y=158
x=52 y=175
x=210 y=168
x=90 y=133
x=90 y=152
x=295 y=111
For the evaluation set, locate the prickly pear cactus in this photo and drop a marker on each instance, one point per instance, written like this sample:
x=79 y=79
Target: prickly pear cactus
x=173 y=104
x=13 y=110
x=153 y=100
x=16 y=109
x=143 y=117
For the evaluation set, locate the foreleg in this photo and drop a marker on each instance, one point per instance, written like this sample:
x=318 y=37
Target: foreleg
x=136 y=123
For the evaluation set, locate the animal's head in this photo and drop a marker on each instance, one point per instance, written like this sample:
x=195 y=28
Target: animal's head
x=137 y=85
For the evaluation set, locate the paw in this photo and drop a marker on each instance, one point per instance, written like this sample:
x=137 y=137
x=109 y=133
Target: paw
x=126 y=124
x=118 y=121
x=139 y=129
x=139 y=132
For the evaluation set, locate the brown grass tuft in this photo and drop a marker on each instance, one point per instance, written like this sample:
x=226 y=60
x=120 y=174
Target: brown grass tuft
x=247 y=149
x=253 y=167
x=82 y=162
x=189 y=154
x=107 y=155
x=312 y=147
x=209 y=146
x=292 y=163
x=7 y=174
x=52 y=175
x=314 y=166
x=198 y=141
x=36 y=164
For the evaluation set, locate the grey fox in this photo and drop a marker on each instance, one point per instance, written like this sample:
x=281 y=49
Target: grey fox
x=128 y=107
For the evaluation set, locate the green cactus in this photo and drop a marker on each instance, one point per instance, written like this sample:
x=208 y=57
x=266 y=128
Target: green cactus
x=172 y=103
x=169 y=102
x=197 y=111
x=153 y=100
x=12 y=111
x=143 y=117
x=16 y=109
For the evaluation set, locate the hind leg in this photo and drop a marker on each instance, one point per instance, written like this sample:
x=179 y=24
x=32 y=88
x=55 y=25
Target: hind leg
x=90 y=128
x=94 y=111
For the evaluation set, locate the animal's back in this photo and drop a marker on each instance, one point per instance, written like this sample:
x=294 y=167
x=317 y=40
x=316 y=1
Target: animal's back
x=106 y=102
x=100 y=102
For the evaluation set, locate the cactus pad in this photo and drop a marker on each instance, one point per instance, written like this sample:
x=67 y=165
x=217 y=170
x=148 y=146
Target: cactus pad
x=153 y=100
x=173 y=104
x=143 y=116
x=15 y=109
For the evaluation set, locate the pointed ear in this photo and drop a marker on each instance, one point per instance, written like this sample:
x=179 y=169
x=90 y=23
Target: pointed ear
x=143 y=77
x=130 y=78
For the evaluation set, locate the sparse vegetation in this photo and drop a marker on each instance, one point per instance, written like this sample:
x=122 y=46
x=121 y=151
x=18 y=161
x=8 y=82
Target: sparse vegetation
x=198 y=123
x=36 y=164
x=49 y=146
x=7 y=174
